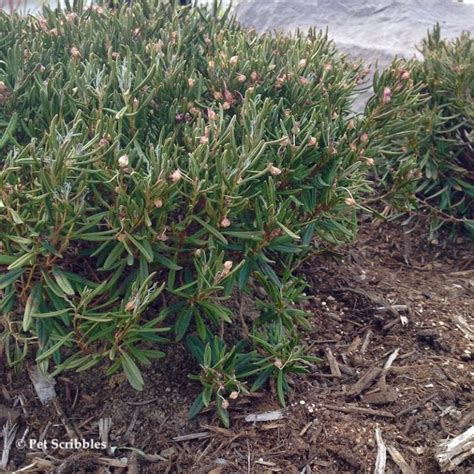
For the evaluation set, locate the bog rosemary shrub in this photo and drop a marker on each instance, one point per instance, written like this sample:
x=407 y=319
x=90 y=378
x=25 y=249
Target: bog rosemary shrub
x=428 y=106
x=157 y=164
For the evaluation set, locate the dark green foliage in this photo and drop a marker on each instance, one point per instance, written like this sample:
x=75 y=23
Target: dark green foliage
x=156 y=164
x=430 y=101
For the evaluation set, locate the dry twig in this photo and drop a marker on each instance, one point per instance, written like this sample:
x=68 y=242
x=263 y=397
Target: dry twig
x=267 y=416
x=9 y=432
x=453 y=452
x=381 y=460
x=399 y=460
x=333 y=365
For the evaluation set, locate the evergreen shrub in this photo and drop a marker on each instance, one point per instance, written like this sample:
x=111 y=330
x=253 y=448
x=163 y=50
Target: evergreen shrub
x=157 y=165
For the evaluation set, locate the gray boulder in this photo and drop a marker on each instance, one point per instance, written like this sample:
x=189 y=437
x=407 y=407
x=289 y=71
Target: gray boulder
x=374 y=30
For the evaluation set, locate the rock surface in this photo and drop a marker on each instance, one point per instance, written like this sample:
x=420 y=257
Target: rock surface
x=374 y=30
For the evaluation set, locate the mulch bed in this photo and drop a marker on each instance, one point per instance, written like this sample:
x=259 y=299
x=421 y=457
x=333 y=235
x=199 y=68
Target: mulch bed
x=390 y=296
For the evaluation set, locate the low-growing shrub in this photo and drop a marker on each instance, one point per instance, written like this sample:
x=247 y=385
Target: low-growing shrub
x=157 y=164
x=428 y=107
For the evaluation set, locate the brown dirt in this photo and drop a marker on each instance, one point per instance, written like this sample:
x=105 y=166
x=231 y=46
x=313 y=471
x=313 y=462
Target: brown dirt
x=427 y=396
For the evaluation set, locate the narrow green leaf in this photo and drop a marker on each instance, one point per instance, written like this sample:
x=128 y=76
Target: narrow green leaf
x=21 y=261
x=182 y=323
x=211 y=229
x=6 y=259
x=146 y=252
x=51 y=314
x=166 y=262
x=45 y=355
x=223 y=413
x=206 y=396
x=288 y=231
x=132 y=371
x=196 y=407
x=62 y=281
x=280 y=390
x=10 y=277
x=113 y=256
x=32 y=304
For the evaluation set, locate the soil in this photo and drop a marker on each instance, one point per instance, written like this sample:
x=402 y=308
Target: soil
x=390 y=291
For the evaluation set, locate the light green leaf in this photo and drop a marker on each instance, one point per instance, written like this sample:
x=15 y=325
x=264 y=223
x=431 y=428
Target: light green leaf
x=132 y=371
x=62 y=281
x=31 y=306
x=288 y=231
x=211 y=229
x=10 y=277
x=45 y=355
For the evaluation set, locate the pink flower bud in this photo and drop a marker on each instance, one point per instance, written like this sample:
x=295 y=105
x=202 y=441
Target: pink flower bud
x=191 y=82
x=241 y=77
x=233 y=60
x=387 y=95
x=98 y=9
x=158 y=203
x=130 y=306
x=175 y=176
x=163 y=237
x=228 y=96
x=123 y=161
x=211 y=114
x=225 y=222
x=70 y=17
x=43 y=23
x=75 y=53
x=233 y=395
x=274 y=171
x=302 y=63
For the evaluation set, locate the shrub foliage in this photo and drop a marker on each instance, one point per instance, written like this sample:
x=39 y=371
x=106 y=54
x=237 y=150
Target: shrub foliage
x=156 y=165
x=428 y=105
